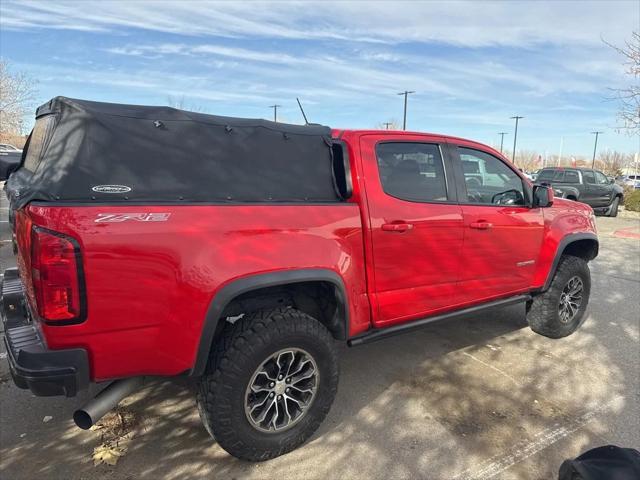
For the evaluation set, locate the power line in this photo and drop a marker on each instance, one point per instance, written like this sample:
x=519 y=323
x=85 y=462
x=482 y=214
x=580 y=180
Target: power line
x=502 y=134
x=595 y=145
x=275 y=111
x=406 y=93
x=515 y=138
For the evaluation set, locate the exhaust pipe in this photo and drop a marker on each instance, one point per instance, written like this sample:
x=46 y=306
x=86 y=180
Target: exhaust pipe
x=106 y=400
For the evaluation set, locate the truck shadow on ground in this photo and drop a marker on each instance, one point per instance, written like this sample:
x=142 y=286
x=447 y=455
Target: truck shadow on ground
x=435 y=403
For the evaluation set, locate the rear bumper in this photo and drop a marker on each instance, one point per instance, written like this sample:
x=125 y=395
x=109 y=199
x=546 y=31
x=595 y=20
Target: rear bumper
x=32 y=365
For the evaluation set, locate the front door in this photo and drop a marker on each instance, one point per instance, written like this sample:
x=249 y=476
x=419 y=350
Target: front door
x=502 y=234
x=416 y=227
x=603 y=190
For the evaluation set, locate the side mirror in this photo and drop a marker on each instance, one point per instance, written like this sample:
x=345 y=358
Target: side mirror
x=542 y=196
x=612 y=180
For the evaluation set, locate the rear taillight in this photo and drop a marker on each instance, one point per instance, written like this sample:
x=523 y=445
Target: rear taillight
x=56 y=275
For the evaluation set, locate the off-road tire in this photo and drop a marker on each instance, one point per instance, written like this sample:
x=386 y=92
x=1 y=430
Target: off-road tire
x=236 y=355
x=613 y=209
x=544 y=316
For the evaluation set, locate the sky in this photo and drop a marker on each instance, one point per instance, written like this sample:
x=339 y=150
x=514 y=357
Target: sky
x=473 y=65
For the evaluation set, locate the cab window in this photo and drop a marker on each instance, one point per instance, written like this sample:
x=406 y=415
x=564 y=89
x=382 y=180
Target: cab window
x=412 y=171
x=548 y=176
x=489 y=180
x=601 y=178
x=589 y=177
x=571 y=176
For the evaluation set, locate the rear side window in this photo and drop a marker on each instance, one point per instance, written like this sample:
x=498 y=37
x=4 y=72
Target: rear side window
x=412 y=171
x=38 y=141
x=550 y=176
x=571 y=177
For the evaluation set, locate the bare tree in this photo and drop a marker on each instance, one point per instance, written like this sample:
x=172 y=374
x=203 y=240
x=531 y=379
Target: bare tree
x=17 y=94
x=388 y=125
x=629 y=97
x=528 y=160
x=611 y=162
x=181 y=104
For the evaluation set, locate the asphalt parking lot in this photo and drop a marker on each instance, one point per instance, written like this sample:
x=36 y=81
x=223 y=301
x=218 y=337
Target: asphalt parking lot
x=472 y=399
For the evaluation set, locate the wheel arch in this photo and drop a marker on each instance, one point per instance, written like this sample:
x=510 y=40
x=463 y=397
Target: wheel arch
x=583 y=245
x=261 y=290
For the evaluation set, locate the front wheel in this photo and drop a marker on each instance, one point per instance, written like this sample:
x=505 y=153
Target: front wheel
x=559 y=311
x=270 y=385
x=613 y=209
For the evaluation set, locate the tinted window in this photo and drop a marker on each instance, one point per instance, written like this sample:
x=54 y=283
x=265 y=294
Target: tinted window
x=412 y=171
x=491 y=181
x=571 y=177
x=550 y=176
x=589 y=177
x=37 y=142
x=601 y=178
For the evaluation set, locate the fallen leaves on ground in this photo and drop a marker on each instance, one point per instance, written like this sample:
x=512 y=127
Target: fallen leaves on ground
x=116 y=428
x=109 y=454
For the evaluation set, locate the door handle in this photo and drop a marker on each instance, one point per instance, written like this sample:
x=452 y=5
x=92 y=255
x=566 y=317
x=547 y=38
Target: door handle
x=396 y=227
x=481 y=225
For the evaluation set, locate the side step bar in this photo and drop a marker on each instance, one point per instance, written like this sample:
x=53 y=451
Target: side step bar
x=380 y=333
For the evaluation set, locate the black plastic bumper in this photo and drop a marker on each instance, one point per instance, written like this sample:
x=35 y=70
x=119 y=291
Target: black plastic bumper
x=45 y=372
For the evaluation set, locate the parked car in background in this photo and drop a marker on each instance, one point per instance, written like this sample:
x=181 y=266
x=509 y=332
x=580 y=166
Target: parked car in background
x=7 y=147
x=584 y=185
x=629 y=181
x=533 y=175
x=9 y=159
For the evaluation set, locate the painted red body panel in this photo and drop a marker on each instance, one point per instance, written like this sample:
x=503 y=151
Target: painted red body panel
x=149 y=284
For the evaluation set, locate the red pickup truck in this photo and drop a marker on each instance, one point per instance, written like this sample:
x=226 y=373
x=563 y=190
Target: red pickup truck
x=156 y=242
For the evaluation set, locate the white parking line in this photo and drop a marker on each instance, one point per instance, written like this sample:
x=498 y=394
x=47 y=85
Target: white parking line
x=494 y=466
x=504 y=374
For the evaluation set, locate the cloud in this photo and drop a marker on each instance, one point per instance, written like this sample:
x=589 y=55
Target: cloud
x=472 y=64
x=469 y=24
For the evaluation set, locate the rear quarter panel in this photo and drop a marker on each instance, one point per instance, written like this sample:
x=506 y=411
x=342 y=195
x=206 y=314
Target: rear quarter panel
x=149 y=283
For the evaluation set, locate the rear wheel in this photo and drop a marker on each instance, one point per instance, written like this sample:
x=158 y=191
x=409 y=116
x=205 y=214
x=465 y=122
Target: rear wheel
x=270 y=384
x=559 y=311
x=613 y=209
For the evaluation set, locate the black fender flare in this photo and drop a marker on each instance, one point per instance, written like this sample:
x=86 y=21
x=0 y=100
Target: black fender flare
x=566 y=191
x=253 y=282
x=564 y=243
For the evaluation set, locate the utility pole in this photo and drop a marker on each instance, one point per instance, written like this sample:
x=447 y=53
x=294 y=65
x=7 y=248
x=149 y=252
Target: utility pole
x=502 y=134
x=387 y=125
x=275 y=111
x=515 y=137
x=595 y=145
x=406 y=93
x=560 y=154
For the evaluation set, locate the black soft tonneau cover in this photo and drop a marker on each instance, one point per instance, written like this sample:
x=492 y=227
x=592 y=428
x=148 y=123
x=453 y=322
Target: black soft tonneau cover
x=103 y=152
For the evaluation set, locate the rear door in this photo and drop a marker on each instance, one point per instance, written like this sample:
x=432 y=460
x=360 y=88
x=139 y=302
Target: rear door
x=415 y=225
x=502 y=235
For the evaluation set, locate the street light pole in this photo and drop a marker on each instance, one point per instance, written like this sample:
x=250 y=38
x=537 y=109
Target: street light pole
x=502 y=134
x=406 y=93
x=515 y=138
x=275 y=111
x=595 y=145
